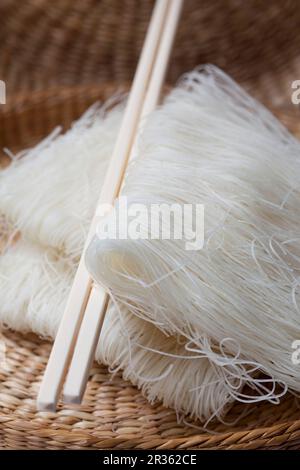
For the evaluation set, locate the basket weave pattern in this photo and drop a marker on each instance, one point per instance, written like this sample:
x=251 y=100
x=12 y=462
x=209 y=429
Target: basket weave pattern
x=77 y=53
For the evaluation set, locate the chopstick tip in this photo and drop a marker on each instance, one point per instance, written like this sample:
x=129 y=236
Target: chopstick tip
x=71 y=399
x=45 y=406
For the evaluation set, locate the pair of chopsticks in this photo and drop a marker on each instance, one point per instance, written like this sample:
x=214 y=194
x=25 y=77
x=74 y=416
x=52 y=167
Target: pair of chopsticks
x=80 y=327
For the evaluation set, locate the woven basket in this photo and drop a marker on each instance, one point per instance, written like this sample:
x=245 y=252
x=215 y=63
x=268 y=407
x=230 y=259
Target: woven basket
x=69 y=42
x=114 y=414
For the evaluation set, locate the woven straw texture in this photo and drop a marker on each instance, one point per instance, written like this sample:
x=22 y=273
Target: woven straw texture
x=59 y=57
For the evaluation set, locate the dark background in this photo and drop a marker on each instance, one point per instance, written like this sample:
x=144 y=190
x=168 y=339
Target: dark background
x=47 y=43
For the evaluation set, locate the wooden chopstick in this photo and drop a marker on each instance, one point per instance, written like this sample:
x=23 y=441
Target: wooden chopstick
x=92 y=322
x=68 y=330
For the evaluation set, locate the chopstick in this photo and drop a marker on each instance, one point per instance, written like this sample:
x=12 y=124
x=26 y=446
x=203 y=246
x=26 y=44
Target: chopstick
x=64 y=344
x=92 y=322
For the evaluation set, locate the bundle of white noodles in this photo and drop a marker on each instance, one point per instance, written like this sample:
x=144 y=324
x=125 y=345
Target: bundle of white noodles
x=235 y=301
x=190 y=328
x=49 y=193
x=47 y=198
